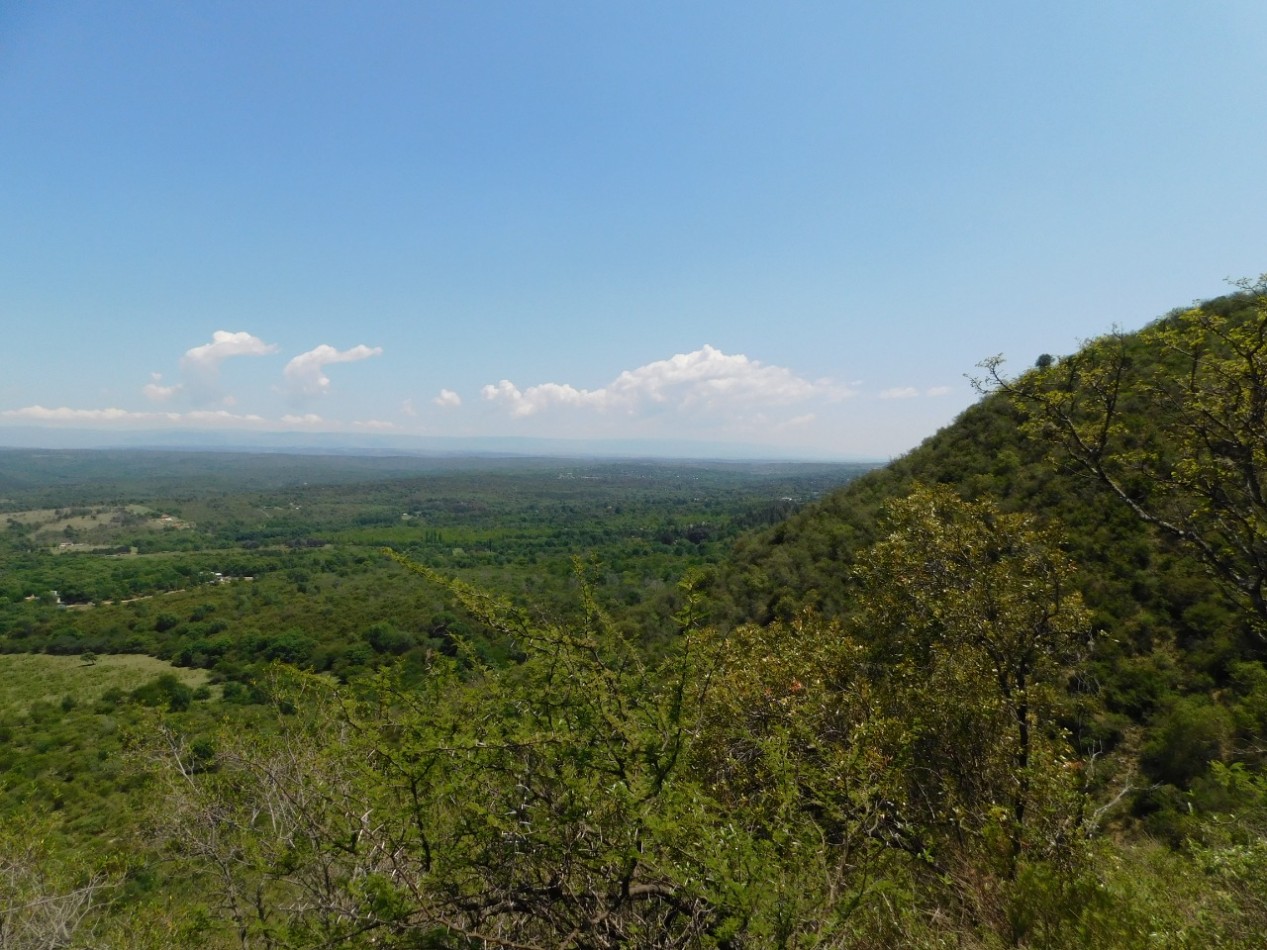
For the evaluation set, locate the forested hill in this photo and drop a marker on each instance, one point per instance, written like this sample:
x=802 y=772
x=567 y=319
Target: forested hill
x=1096 y=446
x=1009 y=691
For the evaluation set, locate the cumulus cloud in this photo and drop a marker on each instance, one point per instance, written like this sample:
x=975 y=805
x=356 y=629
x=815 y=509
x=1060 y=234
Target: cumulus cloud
x=201 y=364
x=705 y=380
x=375 y=425
x=307 y=419
x=936 y=391
x=155 y=391
x=448 y=399
x=305 y=374
x=200 y=367
x=208 y=357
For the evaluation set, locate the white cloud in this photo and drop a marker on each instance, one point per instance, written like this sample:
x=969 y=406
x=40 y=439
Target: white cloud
x=448 y=399
x=66 y=414
x=223 y=345
x=155 y=391
x=307 y=419
x=204 y=361
x=125 y=416
x=201 y=368
x=219 y=415
x=376 y=425
x=305 y=374
x=798 y=421
x=706 y=380
x=407 y=407
x=910 y=392
x=537 y=398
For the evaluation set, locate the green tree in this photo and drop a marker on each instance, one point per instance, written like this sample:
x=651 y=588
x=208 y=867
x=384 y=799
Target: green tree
x=784 y=786
x=975 y=628
x=797 y=747
x=1173 y=422
x=48 y=898
x=557 y=802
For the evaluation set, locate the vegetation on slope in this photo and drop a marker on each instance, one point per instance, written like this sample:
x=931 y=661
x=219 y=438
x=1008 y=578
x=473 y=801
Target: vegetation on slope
x=1007 y=692
x=1164 y=519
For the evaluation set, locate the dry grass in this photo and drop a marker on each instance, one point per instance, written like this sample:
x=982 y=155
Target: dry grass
x=103 y=521
x=26 y=678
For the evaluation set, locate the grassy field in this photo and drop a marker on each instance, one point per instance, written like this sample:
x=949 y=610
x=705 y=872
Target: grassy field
x=27 y=678
x=102 y=523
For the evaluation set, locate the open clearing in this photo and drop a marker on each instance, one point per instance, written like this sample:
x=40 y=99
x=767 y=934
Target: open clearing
x=26 y=678
x=101 y=521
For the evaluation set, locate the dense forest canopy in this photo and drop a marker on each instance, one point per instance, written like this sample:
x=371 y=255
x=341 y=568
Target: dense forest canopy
x=1009 y=690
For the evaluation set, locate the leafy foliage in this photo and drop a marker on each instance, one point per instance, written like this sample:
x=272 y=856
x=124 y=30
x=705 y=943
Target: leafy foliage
x=766 y=788
x=555 y=803
x=896 y=717
x=1198 y=472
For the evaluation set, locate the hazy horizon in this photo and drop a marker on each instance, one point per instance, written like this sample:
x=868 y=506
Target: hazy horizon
x=794 y=228
x=36 y=438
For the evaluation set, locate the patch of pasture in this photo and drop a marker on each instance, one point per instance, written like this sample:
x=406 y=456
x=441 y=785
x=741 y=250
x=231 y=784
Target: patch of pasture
x=27 y=678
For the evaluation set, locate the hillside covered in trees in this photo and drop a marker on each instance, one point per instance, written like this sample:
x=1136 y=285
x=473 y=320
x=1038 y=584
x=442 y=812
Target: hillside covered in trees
x=1145 y=453
x=1008 y=691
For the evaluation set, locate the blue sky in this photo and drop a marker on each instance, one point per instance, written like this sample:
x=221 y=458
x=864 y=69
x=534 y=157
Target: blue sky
x=791 y=225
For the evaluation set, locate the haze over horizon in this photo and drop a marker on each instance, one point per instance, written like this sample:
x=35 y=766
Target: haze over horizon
x=794 y=228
